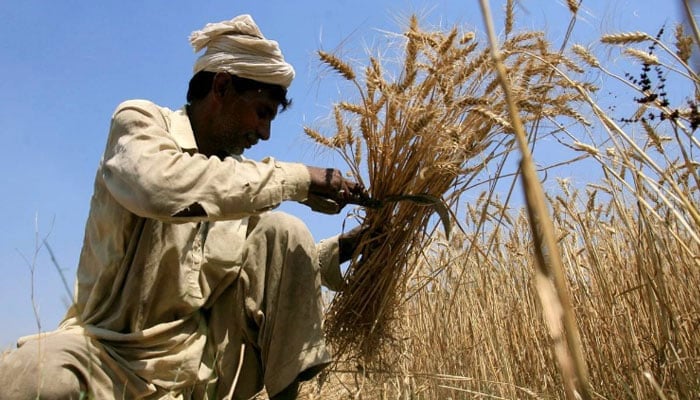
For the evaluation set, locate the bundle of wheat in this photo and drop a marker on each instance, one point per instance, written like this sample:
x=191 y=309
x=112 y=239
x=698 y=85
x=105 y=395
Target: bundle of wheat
x=421 y=139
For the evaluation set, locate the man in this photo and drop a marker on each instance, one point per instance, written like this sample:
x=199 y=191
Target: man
x=188 y=285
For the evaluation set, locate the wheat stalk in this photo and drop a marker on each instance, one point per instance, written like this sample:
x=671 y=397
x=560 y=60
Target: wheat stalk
x=556 y=301
x=416 y=137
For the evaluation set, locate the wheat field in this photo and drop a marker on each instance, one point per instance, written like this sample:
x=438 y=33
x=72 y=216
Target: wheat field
x=478 y=313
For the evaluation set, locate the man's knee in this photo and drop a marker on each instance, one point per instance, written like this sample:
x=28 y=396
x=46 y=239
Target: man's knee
x=24 y=374
x=60 y=383
x=286 y=225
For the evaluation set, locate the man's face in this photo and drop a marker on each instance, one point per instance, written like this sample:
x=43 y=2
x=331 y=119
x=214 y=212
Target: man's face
x=244 y=119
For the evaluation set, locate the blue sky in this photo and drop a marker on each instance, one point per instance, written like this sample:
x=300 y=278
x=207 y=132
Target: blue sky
x=66 y=65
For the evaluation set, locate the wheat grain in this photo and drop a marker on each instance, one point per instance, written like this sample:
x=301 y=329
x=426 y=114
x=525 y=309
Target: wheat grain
x=508 y=25
x=625 y=38
x=516 y=40
x=563 y=60
x=683 y=44
x=586 y=148
x=343 y=136
x=353 y=108
x=424 y=118
x=563 y=109
x=586 y=56
x=358 y=152
x=643 y=56
x=337 y=64
x=411 y=54
x=493 y=117
x=467 y=37
x=654 y=137
x=447 y=42
x=471 y=101
x=317 y=137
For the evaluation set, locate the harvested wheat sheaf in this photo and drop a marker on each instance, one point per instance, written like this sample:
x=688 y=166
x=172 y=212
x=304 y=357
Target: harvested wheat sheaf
x=424 y=134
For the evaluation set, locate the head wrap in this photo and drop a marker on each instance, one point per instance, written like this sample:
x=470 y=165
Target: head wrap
x=239 y=48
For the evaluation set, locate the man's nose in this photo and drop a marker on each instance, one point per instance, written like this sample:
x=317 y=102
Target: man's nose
x=264 y=129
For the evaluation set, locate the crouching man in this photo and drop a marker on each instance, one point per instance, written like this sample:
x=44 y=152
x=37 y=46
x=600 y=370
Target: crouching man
x=188 y=285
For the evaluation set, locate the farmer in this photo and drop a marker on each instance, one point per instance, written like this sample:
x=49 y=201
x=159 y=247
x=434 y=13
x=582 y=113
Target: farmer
x=189 y=285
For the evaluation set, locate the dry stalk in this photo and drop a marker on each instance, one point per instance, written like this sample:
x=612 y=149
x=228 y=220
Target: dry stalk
x=690 y=17
x=427 y=132
x=570 y=353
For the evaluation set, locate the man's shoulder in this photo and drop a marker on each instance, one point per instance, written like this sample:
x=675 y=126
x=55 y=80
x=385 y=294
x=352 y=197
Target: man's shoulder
x=162 y=115
x=139 y=104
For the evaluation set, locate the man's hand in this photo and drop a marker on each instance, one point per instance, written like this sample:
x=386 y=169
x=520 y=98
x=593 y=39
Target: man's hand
x=348 y=242
x=329 y=192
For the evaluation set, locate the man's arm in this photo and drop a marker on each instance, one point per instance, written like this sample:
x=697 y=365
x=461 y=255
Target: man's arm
x=333 y=252
x=147 y=173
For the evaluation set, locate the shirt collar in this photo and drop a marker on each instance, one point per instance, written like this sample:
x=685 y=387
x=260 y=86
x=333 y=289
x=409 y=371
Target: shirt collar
x=181 y=130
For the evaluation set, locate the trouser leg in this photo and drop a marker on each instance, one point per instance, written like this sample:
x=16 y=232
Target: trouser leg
x=40 y=369
x=274 y=308
x=66 y=364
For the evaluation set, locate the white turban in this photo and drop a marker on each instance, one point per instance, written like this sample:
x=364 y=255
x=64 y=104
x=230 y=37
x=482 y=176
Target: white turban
x=239 y=48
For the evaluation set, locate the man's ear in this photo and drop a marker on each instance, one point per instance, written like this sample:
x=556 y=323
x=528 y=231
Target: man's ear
x=220 y=84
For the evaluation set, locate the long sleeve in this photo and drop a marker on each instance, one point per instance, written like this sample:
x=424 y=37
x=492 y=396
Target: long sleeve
x=329 y=263
x=149 y=174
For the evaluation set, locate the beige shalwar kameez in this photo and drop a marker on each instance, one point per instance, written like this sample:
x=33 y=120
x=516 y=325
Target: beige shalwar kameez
x=182 y=268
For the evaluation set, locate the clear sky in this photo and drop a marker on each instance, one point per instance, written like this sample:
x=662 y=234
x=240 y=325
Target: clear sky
x=65 y=65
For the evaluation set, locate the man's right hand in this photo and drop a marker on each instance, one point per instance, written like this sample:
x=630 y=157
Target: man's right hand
x=329 y=185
